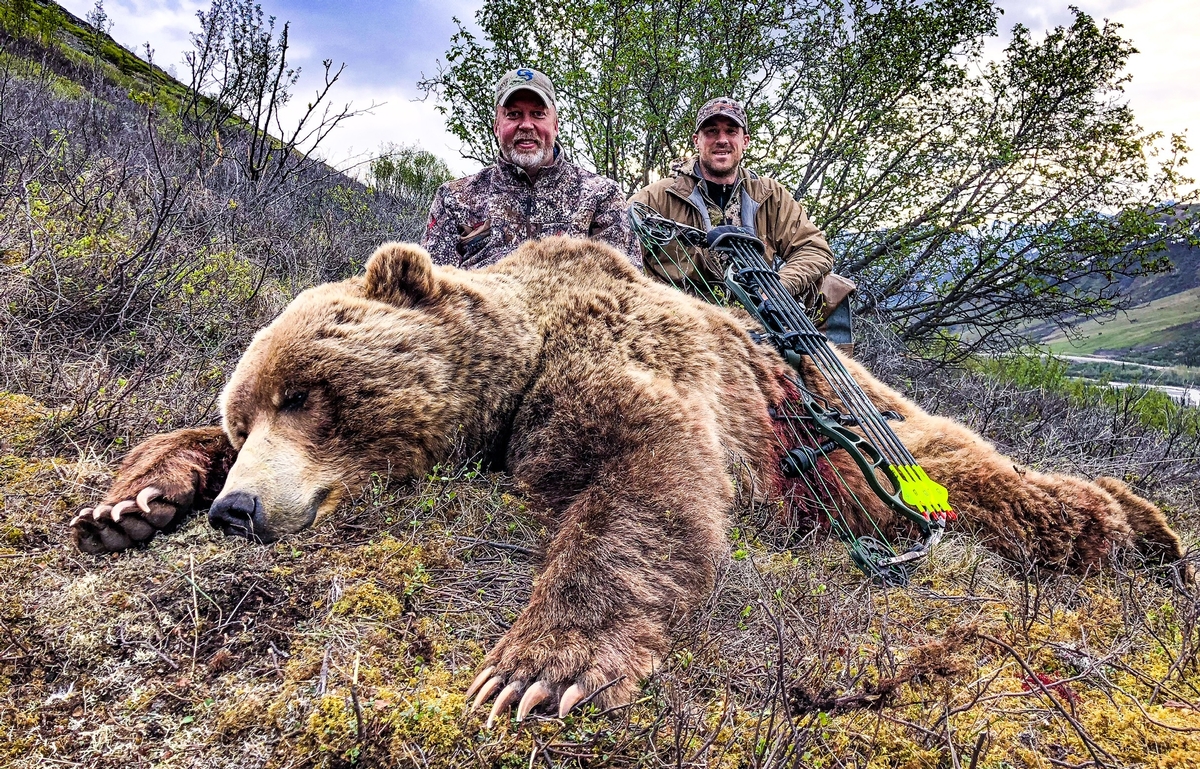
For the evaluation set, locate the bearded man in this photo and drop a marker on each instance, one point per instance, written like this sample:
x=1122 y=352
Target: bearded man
x=531 y=192
x=714 y=189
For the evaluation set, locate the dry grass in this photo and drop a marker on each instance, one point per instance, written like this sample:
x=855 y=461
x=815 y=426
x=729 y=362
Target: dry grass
x=352 y=644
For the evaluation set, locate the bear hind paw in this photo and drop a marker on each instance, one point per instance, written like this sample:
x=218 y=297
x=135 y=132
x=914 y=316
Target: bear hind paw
x=560 y=677
x=526 y=698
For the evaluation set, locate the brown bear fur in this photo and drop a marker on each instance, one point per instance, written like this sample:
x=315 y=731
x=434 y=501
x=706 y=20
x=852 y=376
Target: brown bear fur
x=627 y=409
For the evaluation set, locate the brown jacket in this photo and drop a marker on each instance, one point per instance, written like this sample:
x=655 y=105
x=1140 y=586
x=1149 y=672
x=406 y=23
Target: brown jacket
x=779 y=221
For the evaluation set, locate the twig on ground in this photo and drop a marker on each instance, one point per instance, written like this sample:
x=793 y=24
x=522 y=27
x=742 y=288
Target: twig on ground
x=497 y=545
x=147 y=645
x=493 y=544
x=1094 y=749
x=358 y=715
x=323 y=680
x=12 y=637
x=975 y=751
x=950 y=738
x=195 y=613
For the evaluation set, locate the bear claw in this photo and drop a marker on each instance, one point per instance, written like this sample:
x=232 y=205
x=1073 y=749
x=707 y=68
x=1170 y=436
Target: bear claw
x=121 y=507
x=533 y=697
x=109 y=527
x=487 y=691
x=479 y=680
x=504 y=701
x=146 y=496
x=486 y=684
x=570 y=699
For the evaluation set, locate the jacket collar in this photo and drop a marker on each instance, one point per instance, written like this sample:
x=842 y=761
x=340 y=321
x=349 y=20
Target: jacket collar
x=687 y=178
x=515 y=173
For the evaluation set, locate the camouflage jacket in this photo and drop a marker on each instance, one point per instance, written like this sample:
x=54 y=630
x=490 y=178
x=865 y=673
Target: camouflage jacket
x=477 y=220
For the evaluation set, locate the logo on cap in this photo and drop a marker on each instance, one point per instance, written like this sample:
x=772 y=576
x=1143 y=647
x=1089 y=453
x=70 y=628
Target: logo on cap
x=525 y=78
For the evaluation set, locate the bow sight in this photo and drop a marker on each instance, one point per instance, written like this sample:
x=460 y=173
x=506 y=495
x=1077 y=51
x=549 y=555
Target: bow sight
x=853 y=424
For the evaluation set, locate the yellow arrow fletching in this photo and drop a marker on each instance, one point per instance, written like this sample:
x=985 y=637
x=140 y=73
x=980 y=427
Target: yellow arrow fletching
x=921 y=491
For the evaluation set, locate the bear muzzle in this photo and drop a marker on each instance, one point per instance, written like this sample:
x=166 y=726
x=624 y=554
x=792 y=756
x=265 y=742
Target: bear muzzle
x=239 y=514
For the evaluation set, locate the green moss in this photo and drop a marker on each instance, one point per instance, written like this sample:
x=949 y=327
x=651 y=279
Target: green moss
x=430 y=716
x=22 y=422
x=368 y=600
x=331 y=730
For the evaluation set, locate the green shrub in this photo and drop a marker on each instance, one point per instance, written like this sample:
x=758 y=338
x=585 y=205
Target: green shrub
x=1149 y=406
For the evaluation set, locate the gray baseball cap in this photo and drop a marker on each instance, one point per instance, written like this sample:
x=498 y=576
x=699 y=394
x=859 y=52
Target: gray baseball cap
x=525 y=79
x=722 y=105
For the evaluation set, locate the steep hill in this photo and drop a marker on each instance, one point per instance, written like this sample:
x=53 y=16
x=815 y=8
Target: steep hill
x=1162 y=331
x=1183 y=276
x=1161 y=325
x=57 y=31
x=148 y=229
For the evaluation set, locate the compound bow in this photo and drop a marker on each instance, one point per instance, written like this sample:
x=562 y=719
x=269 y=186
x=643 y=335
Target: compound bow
x=887 y=465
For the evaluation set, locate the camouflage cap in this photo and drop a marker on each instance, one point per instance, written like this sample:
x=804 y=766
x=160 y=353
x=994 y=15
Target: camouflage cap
x=722 y=105
x=525 y=79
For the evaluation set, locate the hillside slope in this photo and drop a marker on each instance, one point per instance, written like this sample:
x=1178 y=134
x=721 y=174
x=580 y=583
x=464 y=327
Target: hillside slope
x=1183 y=276
x=142 y=246
x=1161 y=325
x=53 y=27
x=1165 y=331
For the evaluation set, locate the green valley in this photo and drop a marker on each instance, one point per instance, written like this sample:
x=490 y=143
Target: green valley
x=1165 y=331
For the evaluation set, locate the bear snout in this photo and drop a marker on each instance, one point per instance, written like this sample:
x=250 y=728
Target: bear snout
x=239 y=514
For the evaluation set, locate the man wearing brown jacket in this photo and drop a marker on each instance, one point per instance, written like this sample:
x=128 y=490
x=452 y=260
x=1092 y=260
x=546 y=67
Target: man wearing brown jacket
x=713 y=189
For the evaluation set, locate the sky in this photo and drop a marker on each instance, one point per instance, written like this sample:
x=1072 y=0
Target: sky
x=387 y=46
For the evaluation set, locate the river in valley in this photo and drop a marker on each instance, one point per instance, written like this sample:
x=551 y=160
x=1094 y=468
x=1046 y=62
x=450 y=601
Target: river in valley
x=1188 y=396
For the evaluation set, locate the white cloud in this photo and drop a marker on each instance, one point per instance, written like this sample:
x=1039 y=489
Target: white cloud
x=399 y=120
x=1165 y=90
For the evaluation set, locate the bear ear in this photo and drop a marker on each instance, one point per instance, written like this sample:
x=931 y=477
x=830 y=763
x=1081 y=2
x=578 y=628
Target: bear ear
x=400 y=274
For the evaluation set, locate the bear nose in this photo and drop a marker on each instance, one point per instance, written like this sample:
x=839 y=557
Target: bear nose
x=234 y=513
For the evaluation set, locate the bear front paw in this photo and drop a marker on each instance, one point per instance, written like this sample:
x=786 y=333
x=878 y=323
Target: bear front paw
x=118 y=523
x=558 y=670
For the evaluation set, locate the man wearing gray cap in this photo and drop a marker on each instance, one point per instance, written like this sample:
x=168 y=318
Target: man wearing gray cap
x=714 y=189
x=531 y=192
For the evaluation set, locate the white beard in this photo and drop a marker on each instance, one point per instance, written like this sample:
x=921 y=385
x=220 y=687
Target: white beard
x=529 y=161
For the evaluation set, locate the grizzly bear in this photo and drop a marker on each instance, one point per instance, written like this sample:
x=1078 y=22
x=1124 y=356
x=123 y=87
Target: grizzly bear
x=628 y=411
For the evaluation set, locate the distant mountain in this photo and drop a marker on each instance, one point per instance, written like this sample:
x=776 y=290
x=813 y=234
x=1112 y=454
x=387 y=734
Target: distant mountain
x=1161 y=326
x=1184 y=275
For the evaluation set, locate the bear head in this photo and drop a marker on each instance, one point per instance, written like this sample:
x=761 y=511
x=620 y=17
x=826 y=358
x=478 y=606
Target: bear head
x=373 y=375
